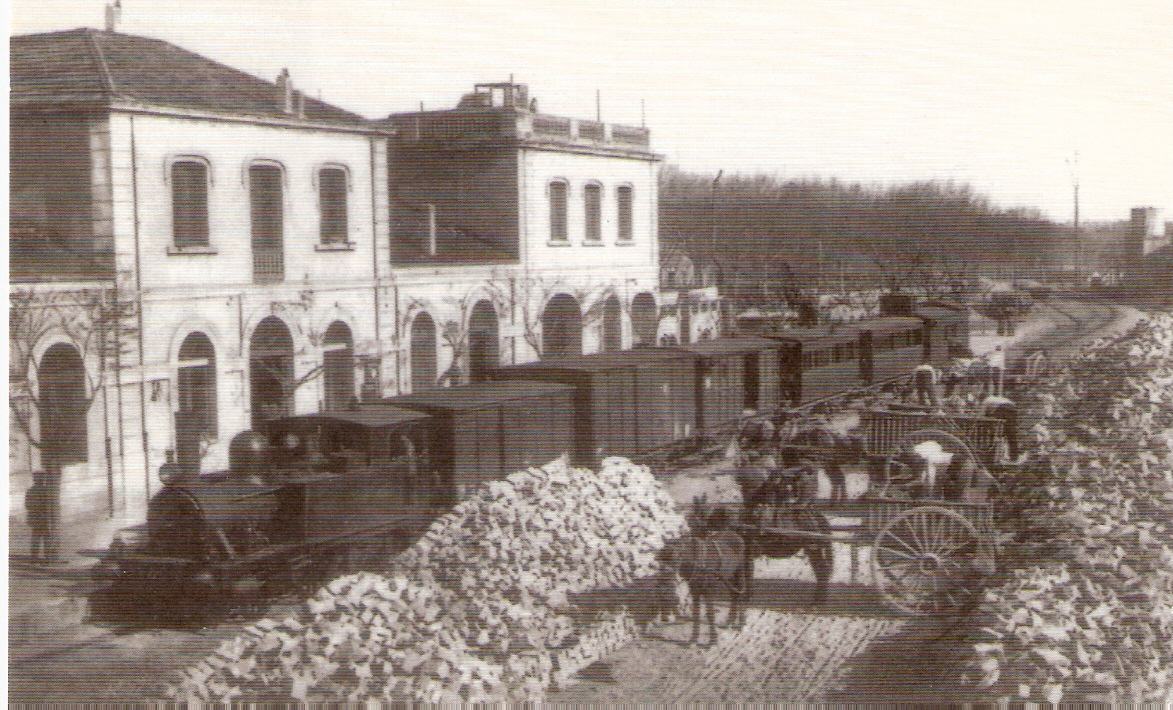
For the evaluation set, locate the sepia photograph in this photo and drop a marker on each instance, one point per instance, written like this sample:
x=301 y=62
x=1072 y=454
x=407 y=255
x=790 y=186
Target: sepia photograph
x=672 y=353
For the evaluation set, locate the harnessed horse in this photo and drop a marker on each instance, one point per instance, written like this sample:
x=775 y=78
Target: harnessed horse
x=777 y=504
x=713 y=564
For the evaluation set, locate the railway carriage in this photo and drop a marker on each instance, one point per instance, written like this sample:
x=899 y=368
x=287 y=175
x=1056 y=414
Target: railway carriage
x=894 y=345
x=829 y=360
x=946 y=333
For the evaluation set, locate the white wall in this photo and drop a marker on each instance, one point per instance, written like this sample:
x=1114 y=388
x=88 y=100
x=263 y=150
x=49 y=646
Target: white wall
x=229 y=148
x=537 y=168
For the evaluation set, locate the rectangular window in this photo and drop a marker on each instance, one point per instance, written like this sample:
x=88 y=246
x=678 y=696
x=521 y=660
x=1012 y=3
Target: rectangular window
x=558 y=212
x=593 y=205
x=332 y=201
x=189 y=203
x=268 y=223
x=623 y=195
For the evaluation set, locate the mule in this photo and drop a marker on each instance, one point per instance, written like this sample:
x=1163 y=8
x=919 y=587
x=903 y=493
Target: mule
x=781 y=503
x=713 y=564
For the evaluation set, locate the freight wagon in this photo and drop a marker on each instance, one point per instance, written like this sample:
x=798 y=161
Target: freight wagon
x=625 y=403
x=483 y=431
x=734 y=375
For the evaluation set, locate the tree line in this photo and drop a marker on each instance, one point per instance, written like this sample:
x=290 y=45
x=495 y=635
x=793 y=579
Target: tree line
x=771 y=237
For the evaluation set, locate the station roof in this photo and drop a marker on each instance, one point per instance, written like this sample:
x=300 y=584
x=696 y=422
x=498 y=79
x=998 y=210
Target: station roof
x=89 y=67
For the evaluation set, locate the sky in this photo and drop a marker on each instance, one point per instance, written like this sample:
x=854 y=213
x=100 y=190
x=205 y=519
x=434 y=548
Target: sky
x=1020 y=100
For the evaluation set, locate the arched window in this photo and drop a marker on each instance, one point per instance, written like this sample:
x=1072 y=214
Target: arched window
x=423 y=353
x=612 y=325
x=644 y=319
x=196 y=385
x=562 y=327
x=484 y=351
x=270 y=366
x=338 y=367
x=61 y=384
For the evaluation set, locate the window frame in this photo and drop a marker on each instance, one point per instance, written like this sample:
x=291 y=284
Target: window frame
x=198 y=246
x=592 y=232
x=624 y=235
x=335 y=242
x=200 y=368
x=558 y=223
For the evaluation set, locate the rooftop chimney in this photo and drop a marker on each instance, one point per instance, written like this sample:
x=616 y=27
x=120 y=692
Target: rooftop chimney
x=286 y=85
x=300 y=104
x=113 y=15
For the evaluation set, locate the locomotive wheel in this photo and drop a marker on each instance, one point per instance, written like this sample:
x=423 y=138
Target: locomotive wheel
x=924 y=560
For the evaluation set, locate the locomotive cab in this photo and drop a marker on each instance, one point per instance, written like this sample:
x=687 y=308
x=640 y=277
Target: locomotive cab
x=306 y=492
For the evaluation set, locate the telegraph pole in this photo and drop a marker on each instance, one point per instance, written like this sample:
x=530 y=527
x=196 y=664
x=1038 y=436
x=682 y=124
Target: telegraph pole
x=1077 y=247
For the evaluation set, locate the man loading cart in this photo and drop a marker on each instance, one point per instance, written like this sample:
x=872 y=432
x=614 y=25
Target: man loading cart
x=998 y=407
x=926 y=376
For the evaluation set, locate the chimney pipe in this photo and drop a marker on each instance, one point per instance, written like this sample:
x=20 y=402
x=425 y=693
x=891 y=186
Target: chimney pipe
x=286 y=85
x=300 y=104
x=113 y=15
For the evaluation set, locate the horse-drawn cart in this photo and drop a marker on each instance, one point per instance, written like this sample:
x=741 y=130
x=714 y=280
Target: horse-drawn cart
x=925 y=514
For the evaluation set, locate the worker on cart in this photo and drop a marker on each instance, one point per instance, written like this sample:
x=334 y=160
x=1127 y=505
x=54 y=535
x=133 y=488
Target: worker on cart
x=926 y=376
x=998 y=407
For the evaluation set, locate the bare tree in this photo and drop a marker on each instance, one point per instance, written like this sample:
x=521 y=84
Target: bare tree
x=87 y=319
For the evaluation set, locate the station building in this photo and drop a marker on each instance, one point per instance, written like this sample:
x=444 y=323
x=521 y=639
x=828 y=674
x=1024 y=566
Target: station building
x=195 y=250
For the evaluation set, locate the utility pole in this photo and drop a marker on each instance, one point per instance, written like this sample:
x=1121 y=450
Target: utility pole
x=713 y=214
x=1078 y=241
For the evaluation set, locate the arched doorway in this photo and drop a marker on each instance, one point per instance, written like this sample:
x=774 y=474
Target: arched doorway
x=337 y=367
x=612 y=325
x=196 y=391
x=484 y=350
x=643 y=319
x=423 y=353
x=562 y=327
x=270 y=367
x=61 y=380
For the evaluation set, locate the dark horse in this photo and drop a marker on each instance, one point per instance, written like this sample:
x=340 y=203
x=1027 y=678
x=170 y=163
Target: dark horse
x=778 y=521
x=713 y=563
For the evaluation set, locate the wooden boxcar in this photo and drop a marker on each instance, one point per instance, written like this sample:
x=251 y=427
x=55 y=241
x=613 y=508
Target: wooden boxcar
x=734 y=375
x=487 y=430
x=895 y=344
x=625 y=403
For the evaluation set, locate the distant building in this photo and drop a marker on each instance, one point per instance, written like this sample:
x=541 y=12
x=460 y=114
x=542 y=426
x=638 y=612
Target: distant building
x=1145 y=234
x=691 y=302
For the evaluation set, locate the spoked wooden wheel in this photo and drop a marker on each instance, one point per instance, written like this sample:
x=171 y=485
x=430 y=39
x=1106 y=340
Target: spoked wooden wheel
x=924 y=559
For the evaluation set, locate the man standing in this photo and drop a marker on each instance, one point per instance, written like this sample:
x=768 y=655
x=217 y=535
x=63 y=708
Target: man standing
x=926 y=379
x=997 y=362
x=998 y=407
x=38 y=508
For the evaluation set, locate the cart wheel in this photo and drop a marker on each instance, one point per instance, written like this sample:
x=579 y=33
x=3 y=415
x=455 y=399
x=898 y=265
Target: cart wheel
x=924 y=560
